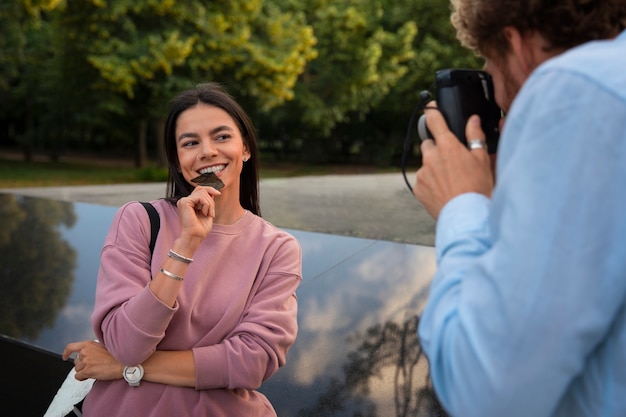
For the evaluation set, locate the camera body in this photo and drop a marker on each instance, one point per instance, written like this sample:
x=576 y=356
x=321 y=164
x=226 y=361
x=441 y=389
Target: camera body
x=461 y=93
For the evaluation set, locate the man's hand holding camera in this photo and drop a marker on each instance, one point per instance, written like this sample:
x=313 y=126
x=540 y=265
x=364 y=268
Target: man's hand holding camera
x=449 y=168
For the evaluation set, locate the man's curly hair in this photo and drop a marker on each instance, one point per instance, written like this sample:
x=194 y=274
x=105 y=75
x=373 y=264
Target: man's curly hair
x=562 y=23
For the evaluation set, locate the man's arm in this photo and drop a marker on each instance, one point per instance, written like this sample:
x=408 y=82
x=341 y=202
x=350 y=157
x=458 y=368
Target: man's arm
x=527 y=284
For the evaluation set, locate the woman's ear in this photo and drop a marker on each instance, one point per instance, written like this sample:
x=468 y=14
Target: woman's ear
x=246 y=153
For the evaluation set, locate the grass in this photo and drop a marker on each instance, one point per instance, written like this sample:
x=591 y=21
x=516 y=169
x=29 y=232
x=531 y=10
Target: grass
x=41 y=174
x=18 y=174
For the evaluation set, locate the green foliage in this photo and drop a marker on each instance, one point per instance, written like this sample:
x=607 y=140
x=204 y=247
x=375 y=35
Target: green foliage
x=127 y=57
x=143 y=44
x=18 y=20
x=42 y=174
x=325 y=80
x=25 y=56
x=435 y=47
x=358 y=62
x=152 y=174
x=354 y=101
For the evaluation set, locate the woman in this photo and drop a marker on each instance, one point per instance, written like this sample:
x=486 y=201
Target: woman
x=211 y=315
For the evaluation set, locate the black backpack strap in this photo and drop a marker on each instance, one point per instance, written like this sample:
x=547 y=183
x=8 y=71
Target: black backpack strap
x=155 y=224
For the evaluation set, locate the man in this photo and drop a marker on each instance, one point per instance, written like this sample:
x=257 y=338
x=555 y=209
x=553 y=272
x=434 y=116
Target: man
x=527 y=310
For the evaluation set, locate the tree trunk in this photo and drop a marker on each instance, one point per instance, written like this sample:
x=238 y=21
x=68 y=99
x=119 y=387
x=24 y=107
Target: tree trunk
x=28 y=138
x=159 y=128
x=141 y=152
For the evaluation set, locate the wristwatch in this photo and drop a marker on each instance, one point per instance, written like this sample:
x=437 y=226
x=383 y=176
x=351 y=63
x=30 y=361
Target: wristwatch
x=133 y=375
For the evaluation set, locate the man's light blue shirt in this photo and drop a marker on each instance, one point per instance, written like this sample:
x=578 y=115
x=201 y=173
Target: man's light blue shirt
x=526 y=314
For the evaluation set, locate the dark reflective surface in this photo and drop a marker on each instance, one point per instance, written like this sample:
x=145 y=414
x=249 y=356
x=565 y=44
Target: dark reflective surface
x=356 y=354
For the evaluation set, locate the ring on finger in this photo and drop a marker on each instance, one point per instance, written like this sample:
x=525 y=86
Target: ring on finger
x=476 y=144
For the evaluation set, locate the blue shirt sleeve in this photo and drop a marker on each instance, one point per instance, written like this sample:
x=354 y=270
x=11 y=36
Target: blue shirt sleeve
x=522 y=310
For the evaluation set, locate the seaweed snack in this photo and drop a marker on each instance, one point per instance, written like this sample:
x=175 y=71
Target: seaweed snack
x=209 y=179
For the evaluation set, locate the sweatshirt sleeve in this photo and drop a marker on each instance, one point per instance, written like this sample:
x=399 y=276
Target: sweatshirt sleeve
x=128 y=318
x=258 y=345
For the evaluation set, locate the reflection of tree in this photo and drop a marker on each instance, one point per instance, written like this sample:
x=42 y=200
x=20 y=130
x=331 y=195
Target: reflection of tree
x=36 y=264
x=382 y=348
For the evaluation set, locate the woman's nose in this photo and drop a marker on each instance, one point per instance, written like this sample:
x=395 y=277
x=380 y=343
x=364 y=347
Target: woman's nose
x=207 y=150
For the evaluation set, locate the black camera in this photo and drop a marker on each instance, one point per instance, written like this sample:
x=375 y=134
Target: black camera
x=461 y=93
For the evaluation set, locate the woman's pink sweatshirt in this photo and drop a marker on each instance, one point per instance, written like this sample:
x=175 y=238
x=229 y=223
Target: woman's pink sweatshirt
x=236 y=311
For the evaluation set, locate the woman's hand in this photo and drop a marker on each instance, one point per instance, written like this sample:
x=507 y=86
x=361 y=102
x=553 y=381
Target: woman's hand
x=92 y=360
x=197 y=211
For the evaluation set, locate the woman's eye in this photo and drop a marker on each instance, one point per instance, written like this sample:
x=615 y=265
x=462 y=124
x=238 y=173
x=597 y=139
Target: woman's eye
x=221 y=138
x=189 y=143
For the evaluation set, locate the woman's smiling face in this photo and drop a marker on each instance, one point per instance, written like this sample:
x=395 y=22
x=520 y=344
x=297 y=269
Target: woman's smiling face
x=208 y=140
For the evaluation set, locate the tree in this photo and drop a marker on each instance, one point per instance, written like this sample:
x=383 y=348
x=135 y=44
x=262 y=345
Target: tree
x=435 y=47
x=358 y=62
x=390 y=346
x=37 y=264
x=326 y=80
x=146 y=51
x=22 y=56
x=17 y=18
x=353 y=102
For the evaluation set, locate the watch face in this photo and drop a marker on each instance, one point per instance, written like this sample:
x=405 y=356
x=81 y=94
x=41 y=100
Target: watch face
x=132 y=373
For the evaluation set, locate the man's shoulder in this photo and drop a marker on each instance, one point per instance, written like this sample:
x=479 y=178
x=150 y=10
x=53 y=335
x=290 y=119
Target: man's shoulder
x=601 y=62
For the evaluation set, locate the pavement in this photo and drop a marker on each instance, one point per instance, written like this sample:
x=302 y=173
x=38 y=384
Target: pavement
x=373 y=206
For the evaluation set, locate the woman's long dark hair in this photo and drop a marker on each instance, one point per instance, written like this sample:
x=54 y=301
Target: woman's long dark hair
x=212 y=94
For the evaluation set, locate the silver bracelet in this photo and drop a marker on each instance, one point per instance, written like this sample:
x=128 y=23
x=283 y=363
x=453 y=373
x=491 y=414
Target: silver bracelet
x=179 y=257
x=171 y=275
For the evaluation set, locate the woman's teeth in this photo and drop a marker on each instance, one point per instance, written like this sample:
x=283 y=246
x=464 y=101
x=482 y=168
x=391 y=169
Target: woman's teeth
x=214 y=169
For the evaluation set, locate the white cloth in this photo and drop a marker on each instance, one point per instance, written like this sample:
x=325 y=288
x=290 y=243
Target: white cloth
x=71 y=392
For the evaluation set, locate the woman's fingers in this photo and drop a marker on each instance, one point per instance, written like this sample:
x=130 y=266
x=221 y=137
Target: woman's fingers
x=74 y=347
x=93 y=360
x=202 y=199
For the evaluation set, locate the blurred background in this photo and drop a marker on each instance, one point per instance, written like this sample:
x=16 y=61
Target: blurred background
x=326 y=82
